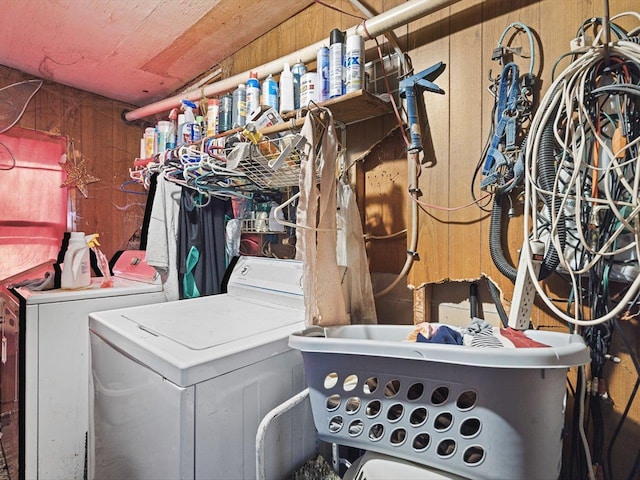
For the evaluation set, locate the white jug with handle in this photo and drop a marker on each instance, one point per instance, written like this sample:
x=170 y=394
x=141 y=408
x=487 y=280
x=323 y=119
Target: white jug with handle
x=76 y=271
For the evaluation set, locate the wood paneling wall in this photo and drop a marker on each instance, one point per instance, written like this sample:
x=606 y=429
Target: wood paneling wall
x=95 y=133
x=453 y=244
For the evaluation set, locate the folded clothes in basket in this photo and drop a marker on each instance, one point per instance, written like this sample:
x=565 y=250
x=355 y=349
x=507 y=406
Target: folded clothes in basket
x=479 y=333
x=439 y=334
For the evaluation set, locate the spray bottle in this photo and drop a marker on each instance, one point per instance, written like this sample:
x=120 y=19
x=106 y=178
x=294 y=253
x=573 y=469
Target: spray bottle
x=354 y=63
x=185 y=130
x=298 y=70
x=323 y=74
x=103 y=263
x=336 y=63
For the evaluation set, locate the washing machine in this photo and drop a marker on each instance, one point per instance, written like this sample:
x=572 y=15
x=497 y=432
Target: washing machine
x=179 y=389
x=44 y=372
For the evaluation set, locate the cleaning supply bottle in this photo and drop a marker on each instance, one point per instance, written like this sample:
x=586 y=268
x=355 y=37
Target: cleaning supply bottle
x=323 y=74
x=197 y=129
x=76 y=269
x=298 y=70
x=253 y=95
x=286 y=90
x=270 y=92
x=163 y=129
x=224 y=118
x=185 y=130
x=239 y=112
x=173 y=131
x=354 y=63
x=336 y=63
x=213 y=111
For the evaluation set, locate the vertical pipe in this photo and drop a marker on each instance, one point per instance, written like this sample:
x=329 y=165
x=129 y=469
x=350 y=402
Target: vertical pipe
x=412 y=167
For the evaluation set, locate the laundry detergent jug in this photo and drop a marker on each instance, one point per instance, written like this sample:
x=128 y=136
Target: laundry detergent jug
x=76 y=269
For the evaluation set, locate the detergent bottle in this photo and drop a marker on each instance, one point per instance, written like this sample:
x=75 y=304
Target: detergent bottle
x=76 y=270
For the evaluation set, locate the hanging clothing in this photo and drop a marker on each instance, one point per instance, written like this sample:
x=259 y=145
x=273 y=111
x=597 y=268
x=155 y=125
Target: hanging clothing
x=201 y=244
x=162 y=237
x=317 y=233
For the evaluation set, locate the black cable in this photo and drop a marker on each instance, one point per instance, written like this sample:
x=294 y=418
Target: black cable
x=473 y=300
x=636 y=466
x=623 y=418
x=576 y=464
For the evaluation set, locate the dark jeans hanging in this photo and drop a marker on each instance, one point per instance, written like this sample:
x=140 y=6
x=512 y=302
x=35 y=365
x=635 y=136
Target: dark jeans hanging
x=201 y=242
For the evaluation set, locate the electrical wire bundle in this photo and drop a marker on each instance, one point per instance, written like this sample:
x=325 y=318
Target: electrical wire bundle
x=582 y=188
x=589 y=123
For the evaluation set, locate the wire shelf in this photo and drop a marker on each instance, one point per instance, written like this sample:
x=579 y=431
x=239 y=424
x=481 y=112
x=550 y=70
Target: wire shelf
x=272 y=163
x=259 y=225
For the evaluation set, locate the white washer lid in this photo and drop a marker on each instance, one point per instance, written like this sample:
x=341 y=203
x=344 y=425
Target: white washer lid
x=190 y=341
x=121 y=286
x=225 y=319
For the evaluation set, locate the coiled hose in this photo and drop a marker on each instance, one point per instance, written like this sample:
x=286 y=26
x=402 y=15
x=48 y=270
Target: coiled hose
x=546 y=175
x=495 y=239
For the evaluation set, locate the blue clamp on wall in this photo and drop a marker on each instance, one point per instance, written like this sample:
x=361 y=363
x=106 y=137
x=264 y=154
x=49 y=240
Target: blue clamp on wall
x=409 y=87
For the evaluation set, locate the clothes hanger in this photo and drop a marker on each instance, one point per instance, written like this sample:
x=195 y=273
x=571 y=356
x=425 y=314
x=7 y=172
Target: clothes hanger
x=278 y=215
x=124 y=187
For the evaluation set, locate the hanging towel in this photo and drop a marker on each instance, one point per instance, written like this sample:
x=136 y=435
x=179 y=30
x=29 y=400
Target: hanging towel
x=352 y=253
x=163 y=235
x=316 y=215
x=201 y=244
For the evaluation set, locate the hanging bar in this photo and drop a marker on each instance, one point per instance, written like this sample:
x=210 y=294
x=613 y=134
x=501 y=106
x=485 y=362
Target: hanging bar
x=389 y=20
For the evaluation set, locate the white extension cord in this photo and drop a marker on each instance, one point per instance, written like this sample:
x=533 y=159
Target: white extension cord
x=567 y=97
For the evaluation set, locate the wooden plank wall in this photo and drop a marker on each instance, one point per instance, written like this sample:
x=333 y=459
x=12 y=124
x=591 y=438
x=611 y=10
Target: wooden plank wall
x=95 y=133
x=453 y=242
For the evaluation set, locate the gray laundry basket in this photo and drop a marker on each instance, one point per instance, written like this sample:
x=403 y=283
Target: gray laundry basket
x=482 y=413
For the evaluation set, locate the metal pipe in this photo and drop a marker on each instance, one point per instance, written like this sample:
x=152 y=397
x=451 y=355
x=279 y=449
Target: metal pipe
x=391 y=37
x=397 y=16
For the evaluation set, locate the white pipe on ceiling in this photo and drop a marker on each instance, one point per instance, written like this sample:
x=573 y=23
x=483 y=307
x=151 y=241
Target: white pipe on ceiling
x=396 y=17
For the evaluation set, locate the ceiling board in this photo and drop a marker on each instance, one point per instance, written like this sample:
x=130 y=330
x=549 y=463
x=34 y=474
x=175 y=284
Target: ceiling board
x=136 y=51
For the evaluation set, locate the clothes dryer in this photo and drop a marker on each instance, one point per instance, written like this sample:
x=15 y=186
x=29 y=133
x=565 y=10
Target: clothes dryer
x=44 y=372
x=179 y=389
